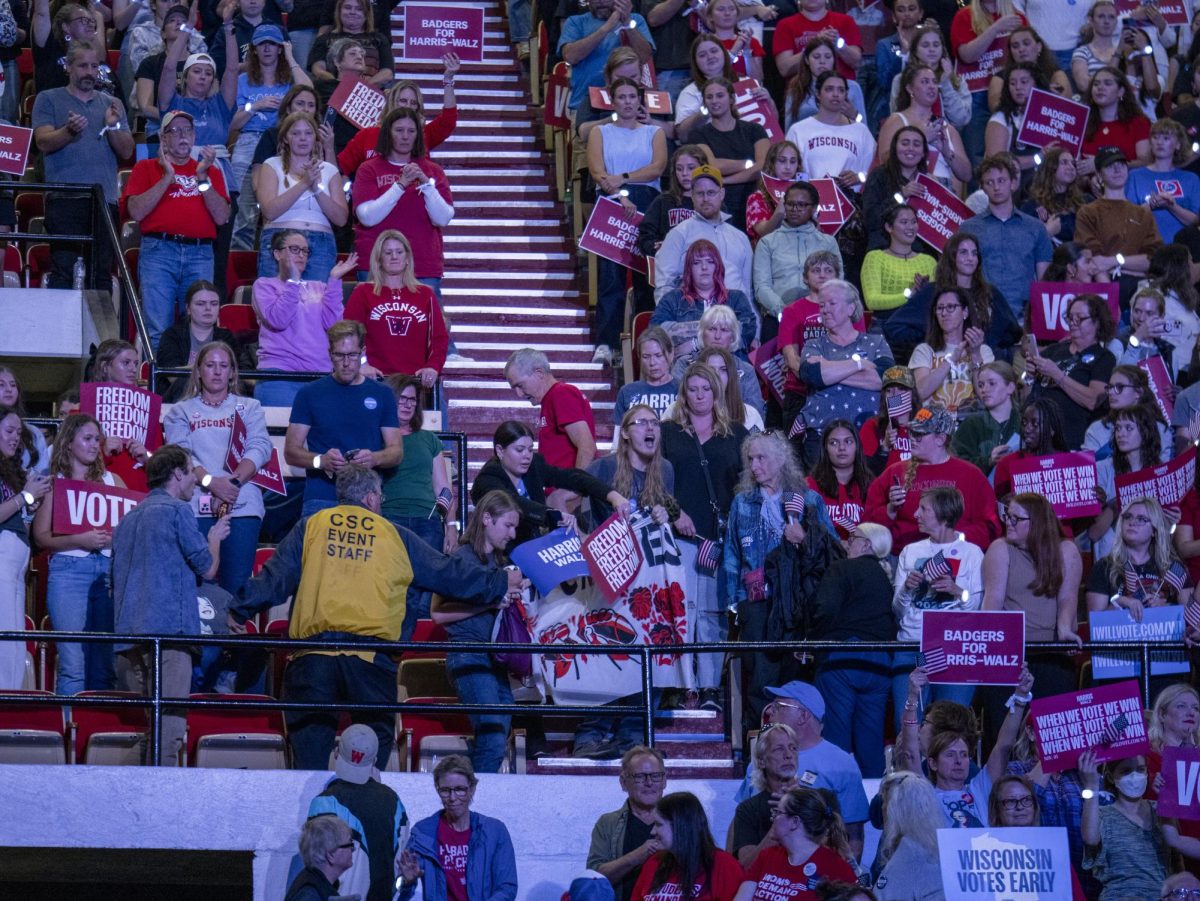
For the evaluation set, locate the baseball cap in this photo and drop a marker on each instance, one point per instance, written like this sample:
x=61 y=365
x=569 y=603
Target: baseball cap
x=267 y=33
x=197 y=58
x=899 y=375
x=708 y=172
x=357 y=749
x=803 y=693
x=932 y=421
x=1106 y=156
x=172 y=116
x=178 y=10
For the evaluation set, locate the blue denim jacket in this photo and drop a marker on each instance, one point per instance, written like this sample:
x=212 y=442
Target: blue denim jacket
x=491 y=861
x=157 y=554
x=748 y=541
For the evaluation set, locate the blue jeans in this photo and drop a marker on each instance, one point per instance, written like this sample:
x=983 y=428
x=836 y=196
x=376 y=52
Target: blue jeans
x=520 y=24
x=320 y=261
x=165 y=272
x=626 y=730
x=245 y=210
x=673 y=81
x=856 y=686
x=477 y=680
x=431 y=530
x=277 y=394
x=316 y=504
x=903 y=663
x=79 y=597
x=973 y=135
x=302 y=41
x=237 y=562
x=610 y=282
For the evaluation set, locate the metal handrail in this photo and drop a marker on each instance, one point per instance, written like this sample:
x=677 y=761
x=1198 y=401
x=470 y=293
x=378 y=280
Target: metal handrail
x=644 y=653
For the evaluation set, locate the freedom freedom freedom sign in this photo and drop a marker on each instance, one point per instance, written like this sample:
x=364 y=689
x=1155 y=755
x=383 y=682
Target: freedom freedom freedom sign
x=359 y=103
x=1106 y=718
x=1030 y=863
x=82 y=506
x=613 y=555
x=123 y=411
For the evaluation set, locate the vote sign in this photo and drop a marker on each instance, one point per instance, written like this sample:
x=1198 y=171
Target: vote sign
x=1051 y=119
x=432 y=30
x=1048 y=303
x=612 y=235
x=1030 y=863
x=1067 y=480
x=1105 y=718
x=558 y=95
x=973 y=648
x=14 y=148
x=1180 y=794
x=657 y=103
x=83 y=506
x=1167 y=483
x=756 y=109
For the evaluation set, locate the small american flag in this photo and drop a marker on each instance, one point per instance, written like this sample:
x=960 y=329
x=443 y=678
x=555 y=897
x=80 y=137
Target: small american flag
x=845 y=520
x=935 y=567
x=899 y=405
x=799 y=426
x=1175 y=577
x=1133 y=584
x=1191 y=614
x=793 y=505
x=934 y=660
x=444 y=499
x=1114 y=730
x=709 y=556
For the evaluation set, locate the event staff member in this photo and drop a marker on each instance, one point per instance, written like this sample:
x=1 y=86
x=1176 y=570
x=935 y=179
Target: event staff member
x=349 y=570
x=340 y=419
x=178 y=202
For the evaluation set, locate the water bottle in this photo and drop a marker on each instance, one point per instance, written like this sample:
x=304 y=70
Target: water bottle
x=78 y=274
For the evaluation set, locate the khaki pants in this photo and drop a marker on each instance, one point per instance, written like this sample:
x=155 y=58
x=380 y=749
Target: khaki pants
x=133 y=674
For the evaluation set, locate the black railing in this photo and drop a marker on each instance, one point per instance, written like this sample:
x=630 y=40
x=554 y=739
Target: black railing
x=643 y=653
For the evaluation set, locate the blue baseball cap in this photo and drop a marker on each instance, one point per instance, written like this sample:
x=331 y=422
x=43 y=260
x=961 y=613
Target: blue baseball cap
x=803 y=693
x=267 y=33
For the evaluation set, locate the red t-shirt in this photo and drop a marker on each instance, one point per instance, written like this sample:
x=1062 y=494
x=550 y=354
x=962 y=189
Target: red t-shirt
x=979 y=524
x=794 y=33
x=869 y=437
x=846 y=510
x=452 y=858
x=1119 y=134
x=799 y=321
x=562 y=405
x=727 y=878
x=362 y=146
x=776 y=877
x=405 y=329
x=181 y=211
x=739 y=64
x=374 y=178
x=978 y=74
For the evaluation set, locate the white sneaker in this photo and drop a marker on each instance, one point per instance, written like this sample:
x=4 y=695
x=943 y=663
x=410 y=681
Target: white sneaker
x=459 y=358
x=603 y=354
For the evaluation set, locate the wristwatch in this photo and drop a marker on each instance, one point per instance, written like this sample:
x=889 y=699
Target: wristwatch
x=28 y=498
x=207 y=480
x=235 y=481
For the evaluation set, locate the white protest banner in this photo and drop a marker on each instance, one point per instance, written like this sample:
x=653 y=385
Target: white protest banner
x=1167 y=483
x=1026 y=863
x=613 y=555
x=123 y=411
x=82 y=506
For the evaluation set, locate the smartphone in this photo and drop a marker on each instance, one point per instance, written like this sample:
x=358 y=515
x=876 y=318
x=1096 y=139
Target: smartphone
x=1171 y=326
x=351 y=454
x=330 y=116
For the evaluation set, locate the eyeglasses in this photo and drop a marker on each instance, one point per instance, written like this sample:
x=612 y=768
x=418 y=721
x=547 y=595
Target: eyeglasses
x=180 y=130
x=347 y=356
x=1017 y=803
x=647 y=778
x=1115 y=388
x=1136 y=518
x=447 y=791
x=646 y=424
x=404 y=398
x=297 y=251
x=798 y=204
x=1013 y=520
x=1078 y=320
x=87 y=20
x=947 y=310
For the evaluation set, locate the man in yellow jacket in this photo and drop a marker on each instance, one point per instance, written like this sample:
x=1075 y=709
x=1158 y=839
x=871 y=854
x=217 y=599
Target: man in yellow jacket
x=349 y=570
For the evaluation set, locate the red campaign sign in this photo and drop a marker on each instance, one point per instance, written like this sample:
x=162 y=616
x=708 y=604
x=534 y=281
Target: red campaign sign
x=610 y=235
x=777 y=186
x=1179 y=797
x=1106 y=718
x=83 y=506
x=123 y=411
x=978 y=75
x=1173 y=11
x=1048 y=302
x=613 y=556
x=756 y=109
x=1160 y=384
x=358 y=103
x=431 y=30
x=770 y=364
x=558 y=95
x=14 y=149
x=835 y=207
x=657 y=103
x=270 y=476
x=1067 y=480
x=973 y=648
x=940 y=213
x=1051 y=119
x=1167 y=483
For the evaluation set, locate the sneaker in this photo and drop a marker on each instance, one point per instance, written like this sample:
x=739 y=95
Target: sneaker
x=226 y=683
x=596 y=750
x=603 y=354
x=710 y=699
x=459 y=358
x=522 y=50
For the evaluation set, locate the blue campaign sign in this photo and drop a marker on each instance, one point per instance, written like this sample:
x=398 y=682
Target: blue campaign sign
x=550 y=560
x=1030 y=863
x=1158 y=624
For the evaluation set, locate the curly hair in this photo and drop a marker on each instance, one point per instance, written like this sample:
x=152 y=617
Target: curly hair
x=791 y=473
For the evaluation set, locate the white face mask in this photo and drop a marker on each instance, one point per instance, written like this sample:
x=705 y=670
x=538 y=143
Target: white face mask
x=1132 y=785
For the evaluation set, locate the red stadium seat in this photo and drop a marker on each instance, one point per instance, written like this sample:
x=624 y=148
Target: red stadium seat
x=241 y=268
x=427 y=630
x=236 y=739
x=131 y=263
x=37 y=264
x=12 y=258
x=29 y=204
x=107 y=736
x=426 y=737
x=33 y=734
x=239 y=318
x=261 y=556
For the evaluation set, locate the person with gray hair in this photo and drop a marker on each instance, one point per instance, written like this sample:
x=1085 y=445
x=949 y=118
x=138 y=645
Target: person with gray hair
x=349 y=570
x=327 y=849
x=775 y=763
x=566 y=437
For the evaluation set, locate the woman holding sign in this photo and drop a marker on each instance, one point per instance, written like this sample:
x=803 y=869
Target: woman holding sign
x=1114 y=120
x=117 y=361
x=1136 y=445
x=918 y=105
x=1128 y=386
x=79 y=590
x=203 y=423
x=1174 y=723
